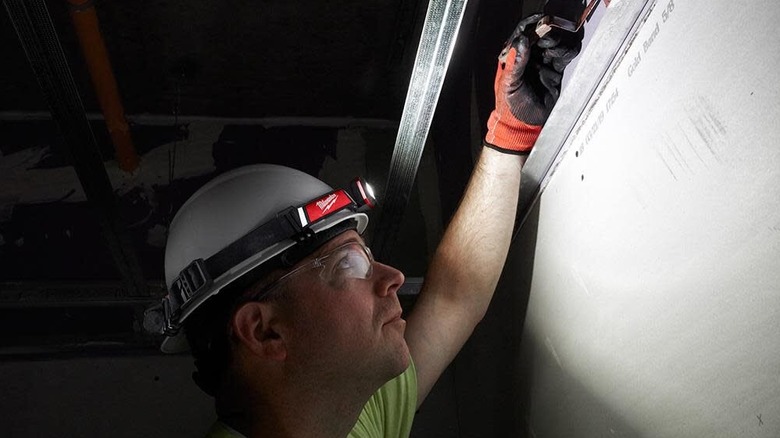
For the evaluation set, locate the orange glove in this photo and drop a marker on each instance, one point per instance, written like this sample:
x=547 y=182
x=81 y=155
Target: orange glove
x=528 y=81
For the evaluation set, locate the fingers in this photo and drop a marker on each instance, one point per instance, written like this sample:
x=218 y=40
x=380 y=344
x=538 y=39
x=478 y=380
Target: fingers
x=550 y=79
x=519 y=38
x=522 y=50
x=516 y=68
x=511 y=72
x=560 y=48
x=559 y=64
x=550 y=40
x=560 y=57
x=523 y=28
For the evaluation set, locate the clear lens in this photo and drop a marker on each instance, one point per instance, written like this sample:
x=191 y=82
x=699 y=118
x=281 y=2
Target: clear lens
x=349 y=261
x=352 y=260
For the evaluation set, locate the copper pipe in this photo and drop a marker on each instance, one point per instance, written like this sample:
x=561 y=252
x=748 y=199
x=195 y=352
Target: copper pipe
x=85 y=21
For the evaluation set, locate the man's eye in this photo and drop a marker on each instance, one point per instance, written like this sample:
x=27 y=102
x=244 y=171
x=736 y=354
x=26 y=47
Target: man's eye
x=348 y=261
x=352 y=264
x=343 y=263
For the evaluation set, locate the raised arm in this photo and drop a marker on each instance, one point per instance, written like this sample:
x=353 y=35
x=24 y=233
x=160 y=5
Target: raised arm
x=465 y=270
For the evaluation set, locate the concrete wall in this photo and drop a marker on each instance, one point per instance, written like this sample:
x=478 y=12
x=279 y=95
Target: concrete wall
x=655 y=295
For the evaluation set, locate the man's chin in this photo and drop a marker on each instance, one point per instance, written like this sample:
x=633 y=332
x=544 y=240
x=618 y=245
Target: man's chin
x=403 y=359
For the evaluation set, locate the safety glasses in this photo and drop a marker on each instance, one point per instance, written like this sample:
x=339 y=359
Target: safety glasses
x=352 y=260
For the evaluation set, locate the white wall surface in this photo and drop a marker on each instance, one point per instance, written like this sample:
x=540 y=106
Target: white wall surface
x=655 y=300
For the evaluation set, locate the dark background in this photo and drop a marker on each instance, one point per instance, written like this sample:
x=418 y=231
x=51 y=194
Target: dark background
x=207 y=87
x=229 y=65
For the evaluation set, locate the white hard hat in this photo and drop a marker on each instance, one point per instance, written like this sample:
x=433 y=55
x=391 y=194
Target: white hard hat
x=237 y=222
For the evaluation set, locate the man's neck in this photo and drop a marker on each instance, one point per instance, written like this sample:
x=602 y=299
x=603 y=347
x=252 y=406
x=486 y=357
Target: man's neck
x=297 y=412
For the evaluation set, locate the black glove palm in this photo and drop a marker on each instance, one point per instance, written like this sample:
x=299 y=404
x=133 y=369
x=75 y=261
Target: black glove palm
x=528 y=84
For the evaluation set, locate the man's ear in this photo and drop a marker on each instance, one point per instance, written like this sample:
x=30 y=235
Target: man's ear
x=256 y=326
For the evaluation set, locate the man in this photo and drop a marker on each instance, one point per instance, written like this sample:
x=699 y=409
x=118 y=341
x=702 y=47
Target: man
x=296 y=330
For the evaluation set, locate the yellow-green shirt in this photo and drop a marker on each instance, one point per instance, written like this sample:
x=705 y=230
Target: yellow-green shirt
x=388 y=413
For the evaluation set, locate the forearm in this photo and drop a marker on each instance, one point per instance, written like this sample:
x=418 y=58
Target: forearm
x=465 y=270
x=472 y=252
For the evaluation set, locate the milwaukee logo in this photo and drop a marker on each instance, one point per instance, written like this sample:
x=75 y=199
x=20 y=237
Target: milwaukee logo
x=326 y=203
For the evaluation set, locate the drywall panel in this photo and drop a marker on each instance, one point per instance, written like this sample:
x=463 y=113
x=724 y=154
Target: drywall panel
x=655 y=297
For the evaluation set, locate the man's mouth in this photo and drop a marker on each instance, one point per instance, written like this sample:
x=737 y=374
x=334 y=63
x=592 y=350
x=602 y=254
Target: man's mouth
x=394 y=318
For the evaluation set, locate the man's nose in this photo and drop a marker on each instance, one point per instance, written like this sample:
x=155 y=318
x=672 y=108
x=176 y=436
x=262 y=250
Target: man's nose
x=389 y=279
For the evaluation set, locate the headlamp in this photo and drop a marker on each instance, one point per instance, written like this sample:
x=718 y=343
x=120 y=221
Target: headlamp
x=357 y=197
x=363 y=194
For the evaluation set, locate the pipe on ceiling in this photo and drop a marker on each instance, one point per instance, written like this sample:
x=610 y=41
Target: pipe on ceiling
x=33 y=25
x=85 y=21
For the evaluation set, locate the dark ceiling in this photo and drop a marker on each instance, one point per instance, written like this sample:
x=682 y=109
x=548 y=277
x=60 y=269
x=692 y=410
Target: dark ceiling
x=64 y=280
x=238 y=58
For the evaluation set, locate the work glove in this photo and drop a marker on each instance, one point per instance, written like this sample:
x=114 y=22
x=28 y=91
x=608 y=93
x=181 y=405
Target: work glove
x=528 y=83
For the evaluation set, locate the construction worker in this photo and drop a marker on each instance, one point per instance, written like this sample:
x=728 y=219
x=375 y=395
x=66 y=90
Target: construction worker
x=295 y=329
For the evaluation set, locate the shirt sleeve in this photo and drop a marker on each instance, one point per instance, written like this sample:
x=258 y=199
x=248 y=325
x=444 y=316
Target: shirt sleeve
x=390 y=411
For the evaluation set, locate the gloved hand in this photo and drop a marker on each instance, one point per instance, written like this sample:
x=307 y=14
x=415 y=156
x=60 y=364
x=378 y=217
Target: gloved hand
x=528 y=83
